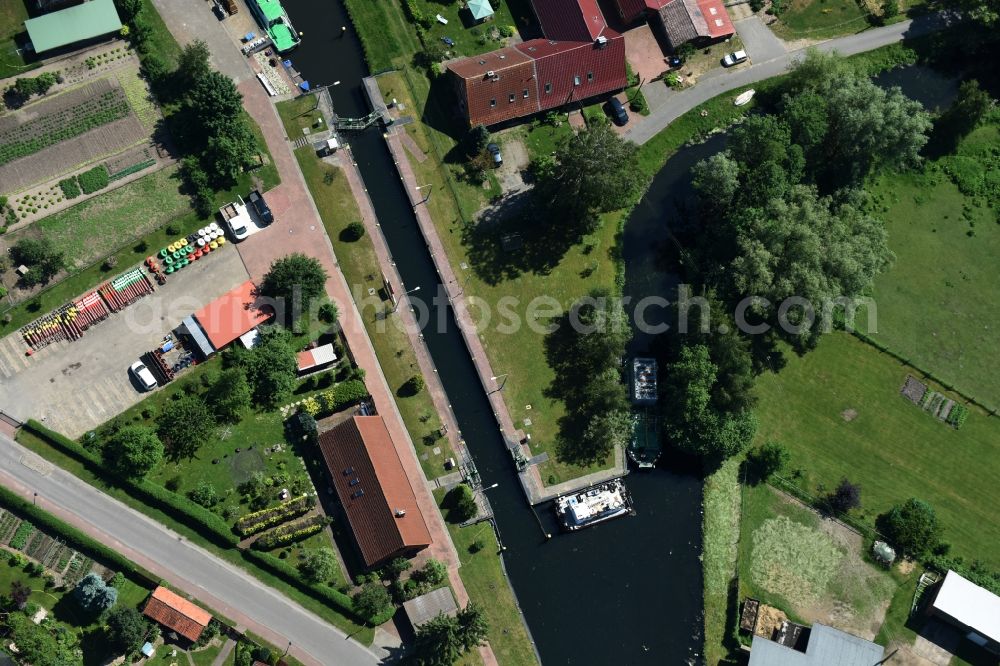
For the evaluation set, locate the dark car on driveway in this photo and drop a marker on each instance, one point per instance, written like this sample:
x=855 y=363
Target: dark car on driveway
x=618 y=112
x=260 y=206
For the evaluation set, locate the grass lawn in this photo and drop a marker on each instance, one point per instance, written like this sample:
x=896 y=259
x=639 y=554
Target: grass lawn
x=484 y=579
x=891 y=448
x=299 y=113
x=12 y=16
x=790 y=561
x=384 y=32
x=357 y=261
x=936 y=305
x=821 y=19
x=720 y=549
x=205 y=656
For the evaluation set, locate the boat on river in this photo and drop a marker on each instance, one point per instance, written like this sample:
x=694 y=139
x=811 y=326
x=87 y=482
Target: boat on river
x=644 y=449
x=274 y=20
x=644 y=381
x=593 y=505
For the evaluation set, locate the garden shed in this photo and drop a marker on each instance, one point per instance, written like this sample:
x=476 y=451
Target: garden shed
x=971 y=608
x=85 y=22
x=421 y=610
x=177 y=614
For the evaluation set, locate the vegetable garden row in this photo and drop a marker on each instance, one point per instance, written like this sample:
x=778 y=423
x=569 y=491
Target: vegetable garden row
x=51 y=553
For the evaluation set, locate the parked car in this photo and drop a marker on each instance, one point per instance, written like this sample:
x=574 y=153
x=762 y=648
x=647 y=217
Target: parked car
x=495 y=152
x=618 y=112
x=259 y=205
x=237 y=218
x=143 y=375
x=735 y=58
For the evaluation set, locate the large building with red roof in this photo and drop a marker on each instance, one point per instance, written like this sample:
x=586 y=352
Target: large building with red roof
x=374 y=490
x=581 y=57
x=682 y=20
x=177 y=614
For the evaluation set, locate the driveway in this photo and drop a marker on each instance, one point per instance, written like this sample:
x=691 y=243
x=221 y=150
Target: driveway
x=758 y=40
x=224 y=587
x=674 y=104
x=76 y=386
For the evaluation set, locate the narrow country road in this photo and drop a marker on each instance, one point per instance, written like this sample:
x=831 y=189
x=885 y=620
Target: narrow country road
x=720 y=80
x=221 y=585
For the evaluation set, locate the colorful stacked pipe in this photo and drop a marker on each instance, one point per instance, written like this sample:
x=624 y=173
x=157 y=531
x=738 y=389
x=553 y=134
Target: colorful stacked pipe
x=125 y=289
x=53 y=327
x=87 y=311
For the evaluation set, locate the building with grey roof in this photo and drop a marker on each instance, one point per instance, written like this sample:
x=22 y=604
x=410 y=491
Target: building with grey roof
x=421 y=610
x=826 y=647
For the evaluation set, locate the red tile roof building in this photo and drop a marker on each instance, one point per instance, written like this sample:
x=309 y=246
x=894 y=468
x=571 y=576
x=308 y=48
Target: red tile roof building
x=580 y=58
x=374 y=490
x=682 y=20
x=177 y=614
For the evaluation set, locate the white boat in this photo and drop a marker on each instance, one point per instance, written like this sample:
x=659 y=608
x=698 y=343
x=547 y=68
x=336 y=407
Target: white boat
x=744 y=97
x=644 y=381
x=594 y=505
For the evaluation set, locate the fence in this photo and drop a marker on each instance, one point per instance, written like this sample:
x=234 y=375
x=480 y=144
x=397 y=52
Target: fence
x=790 y=488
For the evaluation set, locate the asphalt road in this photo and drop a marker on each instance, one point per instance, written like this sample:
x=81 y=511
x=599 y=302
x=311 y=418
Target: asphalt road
x=228 y=589
x=720 y=80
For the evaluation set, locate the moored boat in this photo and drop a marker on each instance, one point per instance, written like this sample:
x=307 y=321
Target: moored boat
x=274 y=20
x=644 y=448
x=644 y=381
x=593 y=505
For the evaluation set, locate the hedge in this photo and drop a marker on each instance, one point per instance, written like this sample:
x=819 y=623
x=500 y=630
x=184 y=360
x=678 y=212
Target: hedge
x=206 y=523
x=75 y=538
x=290 y=533
x=291 y=575
x=94 y=179
x=342 y=395
x=69 y=188
x=989 y=580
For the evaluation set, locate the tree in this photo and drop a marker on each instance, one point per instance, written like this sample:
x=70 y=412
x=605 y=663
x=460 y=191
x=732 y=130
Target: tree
x=271 y=367
x=193 y=64
x=354 y=231
x=472 y=626
x=293 y=282
x=328 y=313
x=845 y=497
x=477 y=140
x=128 y=9
x=319 y=565
x=230 y=395
x=433 y=572
x=41 y=258
x=212 y=123
x=413 y=385
x=133 y=451
x=767 y=460
x=127 y=629
x=594 y=171
x=39 y=646
x=372 y=600
x=696 y=425
x=185 y=426
x=19 y=594
x=437 y=642
x=204 y=494
x=965 y=114
x=911 y=527
x=94 y=595
x=397 y=567
x=987 y=12
x=717 y=180
x=461 y=504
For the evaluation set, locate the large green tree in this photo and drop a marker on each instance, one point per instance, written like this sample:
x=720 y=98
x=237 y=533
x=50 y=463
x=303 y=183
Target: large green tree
x=127 y=629
x=912 y=527
x=230 y=395
x=964 y=115
x=319 y=565
x=593 y=171
x=193 y=64
x=270 y=367
x=294 y=282
x=695 y=424
x=133 y=451
x=442 y=640
x=94 y=595
x=40 y=646
x=185 y=426
x=372 y=600
x=213 y=124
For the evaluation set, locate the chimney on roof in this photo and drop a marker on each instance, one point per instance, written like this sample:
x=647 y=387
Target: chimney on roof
x=601 y=42
x=400 y=513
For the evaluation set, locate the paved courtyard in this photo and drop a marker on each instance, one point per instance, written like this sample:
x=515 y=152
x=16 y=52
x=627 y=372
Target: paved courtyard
x=75 y=386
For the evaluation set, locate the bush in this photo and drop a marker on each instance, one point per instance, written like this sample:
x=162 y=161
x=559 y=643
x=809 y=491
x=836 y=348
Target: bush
x=433 y=573
x=290 y=575
x=69 y=188
x=767 y=460
x=461 y=504
x=413 y=386
x=258 y=521
x=328 y=313
x=205 y=494
x=290 y=533
x=93 y=180
x=354 y=231
x=372 y=601
x=847 y=496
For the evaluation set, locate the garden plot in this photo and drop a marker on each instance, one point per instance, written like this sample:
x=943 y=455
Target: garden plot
x=809 y=567
x=57 y=135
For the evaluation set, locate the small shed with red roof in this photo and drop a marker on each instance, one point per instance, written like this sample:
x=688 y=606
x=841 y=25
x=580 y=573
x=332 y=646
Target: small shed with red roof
x=682 y=21
x=177 y=614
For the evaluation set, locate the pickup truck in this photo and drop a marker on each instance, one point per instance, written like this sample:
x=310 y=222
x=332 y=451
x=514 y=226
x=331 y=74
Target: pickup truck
x=263 y=210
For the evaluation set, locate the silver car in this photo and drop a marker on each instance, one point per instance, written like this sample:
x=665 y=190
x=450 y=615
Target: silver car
x=143 y=375
x=735 y=58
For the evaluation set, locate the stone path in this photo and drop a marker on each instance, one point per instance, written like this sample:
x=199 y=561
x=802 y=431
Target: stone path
x=224 y=653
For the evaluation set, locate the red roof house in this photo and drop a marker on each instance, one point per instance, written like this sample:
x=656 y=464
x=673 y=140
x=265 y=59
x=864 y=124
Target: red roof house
x=682 y=20
x=581 y=57
x=177 y=614
x=374 y=490
x=226 y=318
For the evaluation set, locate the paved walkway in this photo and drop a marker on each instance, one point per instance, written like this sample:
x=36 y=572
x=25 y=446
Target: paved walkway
x=674 y=104
x=193 y=570
x=298 y=228
x=224 y=653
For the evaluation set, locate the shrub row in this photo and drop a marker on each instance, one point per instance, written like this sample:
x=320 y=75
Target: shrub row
x=989 y=580
x=290 y=533
x=340 y=396
x=135 y=168
x=926 y=373
x=94 y=179
x=290 y=575
x=178 y=507
x=69 y=188
x=258 y=521
x=76 y=539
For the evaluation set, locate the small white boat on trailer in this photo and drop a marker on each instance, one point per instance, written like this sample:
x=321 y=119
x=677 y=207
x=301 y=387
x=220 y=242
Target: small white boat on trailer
x=593 y=505
x=744 y=97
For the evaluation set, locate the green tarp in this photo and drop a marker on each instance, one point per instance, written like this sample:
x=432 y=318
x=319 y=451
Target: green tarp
x=481 y=9
x=67 y=26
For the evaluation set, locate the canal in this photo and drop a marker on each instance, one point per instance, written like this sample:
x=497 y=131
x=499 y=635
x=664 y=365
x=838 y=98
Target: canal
x=624 y=592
